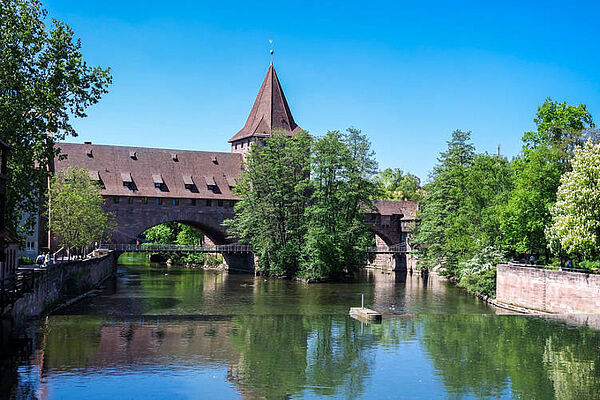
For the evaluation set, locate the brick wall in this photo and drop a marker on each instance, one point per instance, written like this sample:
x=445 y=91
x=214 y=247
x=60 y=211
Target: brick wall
x=548 y=290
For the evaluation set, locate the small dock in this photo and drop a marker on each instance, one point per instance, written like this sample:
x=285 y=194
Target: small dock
x=365 y=314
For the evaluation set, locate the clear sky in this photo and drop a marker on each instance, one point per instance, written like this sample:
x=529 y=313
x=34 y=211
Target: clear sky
x=186 y=72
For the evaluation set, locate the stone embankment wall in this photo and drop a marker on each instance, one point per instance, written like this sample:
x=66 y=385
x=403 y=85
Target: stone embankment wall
x=60 y=282
x=553 y=291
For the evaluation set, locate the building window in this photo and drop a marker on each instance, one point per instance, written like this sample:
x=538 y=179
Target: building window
x=231 y=203
x=208 y=203
x=130 y=200
x=158 y=201
x=175 y=202
x=193 y=202
x=220 y=203
x=116 y=199
x=144 y=200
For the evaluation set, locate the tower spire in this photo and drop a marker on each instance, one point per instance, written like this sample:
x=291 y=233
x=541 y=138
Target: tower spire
x=269 y=113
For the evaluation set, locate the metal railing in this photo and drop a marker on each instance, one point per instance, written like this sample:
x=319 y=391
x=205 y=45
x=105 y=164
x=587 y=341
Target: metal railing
x=15 y=286
x=552 y=267
x=174 y=248
x=397 y=248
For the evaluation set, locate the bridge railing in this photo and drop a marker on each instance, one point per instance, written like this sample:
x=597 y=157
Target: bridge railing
x=397 y=248
x=175 y=248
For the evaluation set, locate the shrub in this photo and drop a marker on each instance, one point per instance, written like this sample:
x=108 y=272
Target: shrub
x=587 y=264
x=26 y=261
x=478 y=275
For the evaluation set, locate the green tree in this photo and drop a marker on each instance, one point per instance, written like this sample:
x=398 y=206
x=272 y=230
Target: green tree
x=162 y=234
x=189 y=236
x=460 y=220
x=575 y=227
x=343 y=167
x=173 y=233
x=44 y=82
x=395 y=185
x=274 y=193
x=527 y=213
x=441 y=235
x=547 y=152
x=76 y=213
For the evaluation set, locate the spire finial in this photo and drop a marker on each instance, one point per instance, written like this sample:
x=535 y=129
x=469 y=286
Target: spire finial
x=271 y=51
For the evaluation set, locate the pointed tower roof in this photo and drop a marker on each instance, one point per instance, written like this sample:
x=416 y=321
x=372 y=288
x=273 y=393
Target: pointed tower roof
x=270 y=111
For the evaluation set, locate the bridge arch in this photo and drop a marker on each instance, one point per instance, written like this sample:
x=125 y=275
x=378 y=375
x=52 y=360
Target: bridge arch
x=132 y=221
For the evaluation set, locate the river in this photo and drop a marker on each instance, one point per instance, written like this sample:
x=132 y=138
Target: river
x=176 y=333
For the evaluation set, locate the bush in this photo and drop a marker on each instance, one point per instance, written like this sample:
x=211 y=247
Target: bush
x=26 y=261
x=478 y=275
x=587 y=264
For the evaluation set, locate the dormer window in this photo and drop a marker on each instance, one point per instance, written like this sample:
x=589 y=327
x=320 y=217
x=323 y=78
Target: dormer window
x=189 y=183
x=231 y=182
x=133 y=155
x=174 y=157
x=127 y=180
x=89 y=152
x=158 y=182
x=214 y=160
x=95 y=176
x=210 y=183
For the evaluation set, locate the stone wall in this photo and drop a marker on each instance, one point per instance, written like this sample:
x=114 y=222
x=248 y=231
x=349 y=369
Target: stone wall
x=60 y=282
x=552 y=291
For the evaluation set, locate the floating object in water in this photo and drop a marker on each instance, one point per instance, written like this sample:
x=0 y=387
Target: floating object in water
x=364 y=314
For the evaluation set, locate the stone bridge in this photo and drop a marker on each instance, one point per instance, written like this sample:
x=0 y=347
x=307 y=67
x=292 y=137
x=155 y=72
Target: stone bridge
x=390 y=221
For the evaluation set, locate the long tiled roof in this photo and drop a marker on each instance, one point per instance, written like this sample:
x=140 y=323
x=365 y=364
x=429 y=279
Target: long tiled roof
x=270 y=111
x=147 y=167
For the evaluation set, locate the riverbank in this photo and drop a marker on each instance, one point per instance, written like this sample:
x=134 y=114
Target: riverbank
x=61 y=282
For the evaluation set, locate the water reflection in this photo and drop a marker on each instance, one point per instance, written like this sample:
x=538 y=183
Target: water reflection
x=218 y=336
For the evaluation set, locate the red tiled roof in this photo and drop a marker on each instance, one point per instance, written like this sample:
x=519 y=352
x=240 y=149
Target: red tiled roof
x=113 y=164
x=387 y=207
x=270 y=111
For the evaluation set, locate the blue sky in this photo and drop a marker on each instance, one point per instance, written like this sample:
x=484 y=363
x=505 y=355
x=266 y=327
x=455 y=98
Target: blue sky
x=186 y=72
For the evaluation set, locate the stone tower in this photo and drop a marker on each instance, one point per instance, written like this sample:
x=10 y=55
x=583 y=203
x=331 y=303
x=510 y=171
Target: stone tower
x=269 y=113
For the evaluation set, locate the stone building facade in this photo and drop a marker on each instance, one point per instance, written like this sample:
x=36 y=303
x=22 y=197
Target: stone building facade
x=148 y=186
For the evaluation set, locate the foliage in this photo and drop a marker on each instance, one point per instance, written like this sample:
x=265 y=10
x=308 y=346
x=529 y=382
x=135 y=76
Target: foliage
x=44 y=82
x=162 y=234
x=562 y=127
x=343 y=166
x=460 y=220
x=527 y=213
x=26 y=261
x=478 y=274
x=441 y=237
x=189 y=236
x=173 y=233
x=575 y=227
x=547 y=152
x=274 y=191
x=395 y=185
x=76 y=213
x=587 y=264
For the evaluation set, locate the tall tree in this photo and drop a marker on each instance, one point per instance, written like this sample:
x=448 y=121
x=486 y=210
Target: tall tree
x=44 y=82
x=343 y=167
x=561 y=128
x=76 y=213
x=274 y=191
x=441 y=235
x=396 y=185
x=575 y=227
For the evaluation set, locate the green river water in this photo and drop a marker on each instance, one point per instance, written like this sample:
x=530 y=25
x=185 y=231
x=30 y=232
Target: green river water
x=176 y=333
